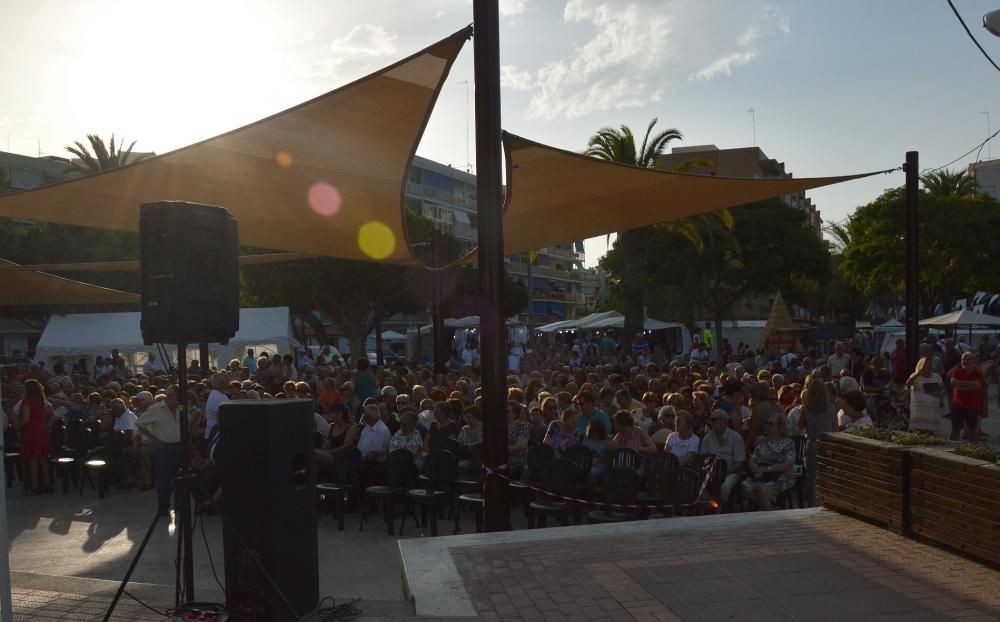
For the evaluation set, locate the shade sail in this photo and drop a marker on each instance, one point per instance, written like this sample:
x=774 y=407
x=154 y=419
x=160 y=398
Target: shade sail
x=311 y=179
x=556 y=196
x=134 y=265
x=963 y=317
x=39 y=288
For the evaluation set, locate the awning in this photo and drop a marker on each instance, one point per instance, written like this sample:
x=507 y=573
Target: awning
x=556 y=196
x=133 y=266
x=462 y=218
x=39 y=288
x=963 y=317
x=322 y=178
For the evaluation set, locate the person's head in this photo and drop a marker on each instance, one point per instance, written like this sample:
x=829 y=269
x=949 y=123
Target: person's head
x=362 y=364
x=969 y=360
x=550 y=409
x=250 y=352
x=371 y=414
x=596 y=431
x=584 y=400
x=777 y=426
x=838 y=348
x=667 y=416
x=684 y=422
x=514 y=411
x=924 y=367
x=302 y=389
x=34 y=390
x=117 y=407
x=719 y=421
x=472 y=415
x=220 y=381
x=442 y=412
x=623 y=421
x=815 y=397
x=407 y=422
x=570 y=418
x=853 y=402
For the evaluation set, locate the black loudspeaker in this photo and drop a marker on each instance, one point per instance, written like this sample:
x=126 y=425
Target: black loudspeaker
x=190 y=273
x=269 y=502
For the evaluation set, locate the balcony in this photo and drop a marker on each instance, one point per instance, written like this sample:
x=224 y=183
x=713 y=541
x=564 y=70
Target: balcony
x=521 y=267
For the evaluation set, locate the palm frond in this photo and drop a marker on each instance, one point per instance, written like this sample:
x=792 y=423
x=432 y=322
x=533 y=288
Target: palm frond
x=688 y=166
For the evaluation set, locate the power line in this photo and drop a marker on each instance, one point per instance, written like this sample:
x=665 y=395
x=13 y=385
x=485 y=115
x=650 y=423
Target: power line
x=971 y=36
x=978 y=146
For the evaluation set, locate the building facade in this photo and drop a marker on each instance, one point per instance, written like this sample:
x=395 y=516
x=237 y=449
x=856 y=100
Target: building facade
x=987 y=176
x=746 y=162
x=23 y=172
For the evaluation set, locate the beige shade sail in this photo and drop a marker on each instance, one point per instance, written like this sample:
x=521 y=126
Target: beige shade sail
x=556 y=196
x=134 y=265
x=322 y=178
x=38 y=288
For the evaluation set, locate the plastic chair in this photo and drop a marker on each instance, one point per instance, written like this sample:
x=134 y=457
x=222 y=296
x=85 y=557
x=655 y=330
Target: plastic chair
x=679 y=489
x=623 y=456
x=399 y=475
x=346 y=479
x=620 y=486
x=439 y=470
x=655 y=467
x=559 y=476
x=536 y=459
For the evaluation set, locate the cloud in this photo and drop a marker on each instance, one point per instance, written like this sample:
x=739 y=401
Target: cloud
x=367 y=40
x=637 y=50
x=512 y=7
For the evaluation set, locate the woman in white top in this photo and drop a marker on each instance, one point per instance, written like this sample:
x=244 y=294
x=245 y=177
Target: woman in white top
x=926 y=397
x=684 y=442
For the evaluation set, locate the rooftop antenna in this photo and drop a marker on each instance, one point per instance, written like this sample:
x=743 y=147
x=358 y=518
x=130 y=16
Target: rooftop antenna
x=468 y=162
x=753 y=120
x=989 y=133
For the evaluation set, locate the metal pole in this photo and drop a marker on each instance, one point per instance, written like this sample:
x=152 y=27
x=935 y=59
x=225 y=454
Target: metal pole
x=531 y=294
x=203 y=359
x=912 y=268
x=378 y=342
x=6 y=601
x=437 y=313
x=486 y=53
x=182 y=491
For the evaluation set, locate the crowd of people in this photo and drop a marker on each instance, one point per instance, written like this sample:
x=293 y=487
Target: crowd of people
x=761 y=413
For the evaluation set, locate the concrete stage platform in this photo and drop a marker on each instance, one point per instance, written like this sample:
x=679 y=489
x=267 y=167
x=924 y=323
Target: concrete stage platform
x=808 y=564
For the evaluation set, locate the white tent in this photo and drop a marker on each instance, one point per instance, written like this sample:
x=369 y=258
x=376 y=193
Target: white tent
x=611 y=319
x=88 y=335
x=962 y=317
x=391 y=335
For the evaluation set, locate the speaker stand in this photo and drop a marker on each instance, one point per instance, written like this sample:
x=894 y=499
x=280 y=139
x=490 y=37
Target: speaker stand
x=182 y=505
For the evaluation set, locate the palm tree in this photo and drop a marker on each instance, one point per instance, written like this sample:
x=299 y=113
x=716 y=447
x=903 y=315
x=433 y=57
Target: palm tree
x=949 y=183
x=619 y=145
x=104 y=158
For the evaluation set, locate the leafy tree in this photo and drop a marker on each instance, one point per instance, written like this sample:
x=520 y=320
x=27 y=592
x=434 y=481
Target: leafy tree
x=949 y=183
x=769 y=247
x=619 y=145
x=955 y=257
x=104 y=157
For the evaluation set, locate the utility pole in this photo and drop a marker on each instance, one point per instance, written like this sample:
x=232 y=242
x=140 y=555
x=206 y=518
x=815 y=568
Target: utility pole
x=912 y=169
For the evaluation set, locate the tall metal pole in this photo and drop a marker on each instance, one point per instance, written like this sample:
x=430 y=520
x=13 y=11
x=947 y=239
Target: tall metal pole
x=203 y=359
x=6 y=600
x=912 y=168
x=437 y=314
x=486 y=53
x=531 y=294
x=182 y=483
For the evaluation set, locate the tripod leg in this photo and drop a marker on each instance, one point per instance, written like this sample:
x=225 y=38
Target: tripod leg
x=131 y=568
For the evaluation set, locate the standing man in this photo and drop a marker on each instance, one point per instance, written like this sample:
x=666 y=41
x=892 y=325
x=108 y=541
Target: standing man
x=609 y=348
x=250 y=362
x=707 y=338
x=839 y=360
x=220 y=382
x=967 y=384
x=160 y=425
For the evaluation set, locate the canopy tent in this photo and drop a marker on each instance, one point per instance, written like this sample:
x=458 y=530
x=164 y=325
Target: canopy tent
x=134 y=265
x=38 y=288
x=96 y=334
x=323 y=178
x=391 y=335
x=892 y=324
x=327 y=177
x=605 y=320
x=963 y=317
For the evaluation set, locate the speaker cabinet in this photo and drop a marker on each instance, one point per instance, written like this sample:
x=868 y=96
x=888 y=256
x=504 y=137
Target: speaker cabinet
x=269 y=501
x=190 y=273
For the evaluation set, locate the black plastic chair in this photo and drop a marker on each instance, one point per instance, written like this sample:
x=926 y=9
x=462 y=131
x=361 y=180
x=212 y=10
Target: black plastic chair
x=535 y=460
x=439 y=470
x=619 y=486
x=559 y=476
x=583 y=458
x=716 y=476
x=680 y=489
x=91 y=467
x=624 y=456
x=346 y=480
x=784 y=500
x=655 y=467
x=399 y=476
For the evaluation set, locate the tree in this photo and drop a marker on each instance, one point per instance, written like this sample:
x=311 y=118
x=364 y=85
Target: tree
x=955 y=255
x=769 y=247
x=104 y=157
x=949 y=183
x=619 y=145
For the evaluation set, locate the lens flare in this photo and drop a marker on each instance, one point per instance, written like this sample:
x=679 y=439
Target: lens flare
x=284 y=159
x=376 y=240
x=324 y=199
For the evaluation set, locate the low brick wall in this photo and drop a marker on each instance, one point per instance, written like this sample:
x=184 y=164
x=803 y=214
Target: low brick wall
x=865 y=477
x=955 y=501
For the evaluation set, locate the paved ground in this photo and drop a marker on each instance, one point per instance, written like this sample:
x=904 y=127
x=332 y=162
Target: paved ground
x=795 y=565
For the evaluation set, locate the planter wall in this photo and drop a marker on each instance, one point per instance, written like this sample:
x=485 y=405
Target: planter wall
x=955 y=501
x=865 y=477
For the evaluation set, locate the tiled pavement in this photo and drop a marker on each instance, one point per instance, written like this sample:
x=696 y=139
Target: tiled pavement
x=818 y=565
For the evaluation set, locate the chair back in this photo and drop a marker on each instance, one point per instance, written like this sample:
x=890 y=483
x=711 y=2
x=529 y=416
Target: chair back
x=476 y=462
x=536 y=459
x=57 y=434
x=559 y=476
x=800 y=448
x=680 y=486
x=440 y=468
x=620 y=485
x=399 y=468
x=625 y=456
x=654 y=467
x=582 y=457
x=10 y=440
x=77 y=435
x=347 y=466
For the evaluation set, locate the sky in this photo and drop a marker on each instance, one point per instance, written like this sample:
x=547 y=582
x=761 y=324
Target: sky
x=836 y=87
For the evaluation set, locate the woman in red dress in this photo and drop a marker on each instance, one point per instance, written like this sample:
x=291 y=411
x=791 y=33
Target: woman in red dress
x=33 y=421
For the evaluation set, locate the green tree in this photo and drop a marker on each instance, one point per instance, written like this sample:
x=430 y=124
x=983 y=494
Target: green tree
x=619 y=145
x=104 y=157
x=955 y=257
x=949 y=183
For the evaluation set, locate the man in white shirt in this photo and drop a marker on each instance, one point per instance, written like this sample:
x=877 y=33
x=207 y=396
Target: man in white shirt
x=220 y=381
x=839 y=360
x=373 y=444
x=152 y=366
x=124 y=419
x=727 y=444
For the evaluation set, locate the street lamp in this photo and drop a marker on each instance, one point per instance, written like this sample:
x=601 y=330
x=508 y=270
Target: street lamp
x=991 y=22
